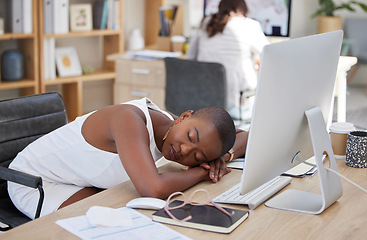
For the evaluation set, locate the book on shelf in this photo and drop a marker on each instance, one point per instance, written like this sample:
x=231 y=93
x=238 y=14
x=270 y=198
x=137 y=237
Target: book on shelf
x=110 y=14
x=48 y=24
x=106 y=14
x=55 y=16
x=18 y=16
x=206 y=217
x=116 y=15
x=166 y=14
x=27 y=16
x=113 y=14
x=100 y=14
x=60 y=16
x=46 y=59
x=49 y=66
x=52 y=57
x=98 y=8
x=15 y=16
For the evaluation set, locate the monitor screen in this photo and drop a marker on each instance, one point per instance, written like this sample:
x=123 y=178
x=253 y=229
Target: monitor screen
x=294 y=76
x=273 y=15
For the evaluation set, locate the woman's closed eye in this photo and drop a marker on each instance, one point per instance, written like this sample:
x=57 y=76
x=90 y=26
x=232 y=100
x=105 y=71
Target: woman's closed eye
x=193 y=137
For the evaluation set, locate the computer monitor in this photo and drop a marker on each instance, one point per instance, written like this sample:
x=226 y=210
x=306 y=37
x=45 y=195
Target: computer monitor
x=294 y=76
x=273 y=15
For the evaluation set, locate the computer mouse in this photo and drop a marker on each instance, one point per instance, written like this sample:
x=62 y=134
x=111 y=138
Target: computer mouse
x=146 y=203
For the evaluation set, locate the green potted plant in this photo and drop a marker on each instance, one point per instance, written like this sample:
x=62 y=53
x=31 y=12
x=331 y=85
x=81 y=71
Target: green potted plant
x=326 y=18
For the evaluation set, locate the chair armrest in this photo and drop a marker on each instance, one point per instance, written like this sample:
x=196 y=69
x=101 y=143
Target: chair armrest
x=20 y=177
x=26 y=180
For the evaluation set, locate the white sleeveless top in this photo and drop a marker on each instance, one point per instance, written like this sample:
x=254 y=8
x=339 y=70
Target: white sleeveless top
x=63 y=156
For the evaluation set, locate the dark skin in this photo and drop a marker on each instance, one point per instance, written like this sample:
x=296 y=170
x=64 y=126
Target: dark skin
x=191 y=142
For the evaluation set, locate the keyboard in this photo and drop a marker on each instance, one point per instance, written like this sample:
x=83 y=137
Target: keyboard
x=255 y=197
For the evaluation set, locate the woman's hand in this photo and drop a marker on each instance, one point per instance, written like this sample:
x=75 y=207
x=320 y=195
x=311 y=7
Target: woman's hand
x=217 y=168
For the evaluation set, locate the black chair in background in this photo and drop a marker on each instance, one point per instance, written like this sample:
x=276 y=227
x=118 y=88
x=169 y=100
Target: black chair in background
x=23 y=120
x=356 y=32
x=191 y=85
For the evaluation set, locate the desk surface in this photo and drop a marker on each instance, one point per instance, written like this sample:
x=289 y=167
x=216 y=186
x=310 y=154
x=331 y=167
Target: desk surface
x=345 y=219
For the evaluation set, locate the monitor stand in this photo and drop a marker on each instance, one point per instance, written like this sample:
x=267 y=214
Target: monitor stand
x=330 y=183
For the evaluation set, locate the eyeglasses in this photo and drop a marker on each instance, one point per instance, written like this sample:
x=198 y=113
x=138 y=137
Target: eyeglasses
x=209 y=202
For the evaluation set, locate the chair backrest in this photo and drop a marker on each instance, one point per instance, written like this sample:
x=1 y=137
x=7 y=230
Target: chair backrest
x=191 y=85
x=24 y=119
x=356 y=31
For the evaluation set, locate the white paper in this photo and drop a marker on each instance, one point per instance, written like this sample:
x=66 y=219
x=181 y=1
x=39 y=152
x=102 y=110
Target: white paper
x=109 y=217
x=151 y=54
x=300 y=170
x=143 y=228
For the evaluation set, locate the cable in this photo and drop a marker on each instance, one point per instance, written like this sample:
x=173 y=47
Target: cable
x=335 y=172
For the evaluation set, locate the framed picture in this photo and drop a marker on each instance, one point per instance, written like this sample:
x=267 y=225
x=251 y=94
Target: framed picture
x=81 y=17
x=67 y=62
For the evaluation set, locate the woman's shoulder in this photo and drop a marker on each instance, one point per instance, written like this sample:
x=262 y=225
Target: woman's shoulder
x=142 y=108
x=131 y=111
x=115 y=113
x=244 y=20
x=244 y=23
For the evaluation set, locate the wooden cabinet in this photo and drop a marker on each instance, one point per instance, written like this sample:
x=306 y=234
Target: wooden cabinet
x=72 y=87
x=27 y=44
x=139 y=78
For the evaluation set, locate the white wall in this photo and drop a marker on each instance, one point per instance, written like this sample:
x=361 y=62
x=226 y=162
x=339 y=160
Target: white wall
x=133 y=18
x=301 y=24
x=361 y=77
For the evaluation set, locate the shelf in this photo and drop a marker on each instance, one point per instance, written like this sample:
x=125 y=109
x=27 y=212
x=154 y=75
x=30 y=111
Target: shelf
x=14 y=36
x=72 y=88
x=98 y=75
x=107 y=32
x=27 y=44
x=25 y=83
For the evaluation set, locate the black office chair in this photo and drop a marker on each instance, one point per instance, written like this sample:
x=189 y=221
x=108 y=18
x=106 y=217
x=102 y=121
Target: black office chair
x=23 y=120
x=356 y=32
x=191 y=85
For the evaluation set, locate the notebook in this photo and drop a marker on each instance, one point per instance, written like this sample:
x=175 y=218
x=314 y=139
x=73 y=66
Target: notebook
x=207 y=218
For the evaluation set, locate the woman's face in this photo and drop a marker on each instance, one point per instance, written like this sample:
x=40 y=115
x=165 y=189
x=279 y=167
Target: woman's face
x=191 y=142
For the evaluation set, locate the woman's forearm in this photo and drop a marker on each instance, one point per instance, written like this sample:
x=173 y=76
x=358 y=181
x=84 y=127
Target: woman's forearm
x=170 y=182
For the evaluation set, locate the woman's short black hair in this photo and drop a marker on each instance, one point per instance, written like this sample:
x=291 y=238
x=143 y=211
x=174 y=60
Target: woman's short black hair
x=222 y=122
